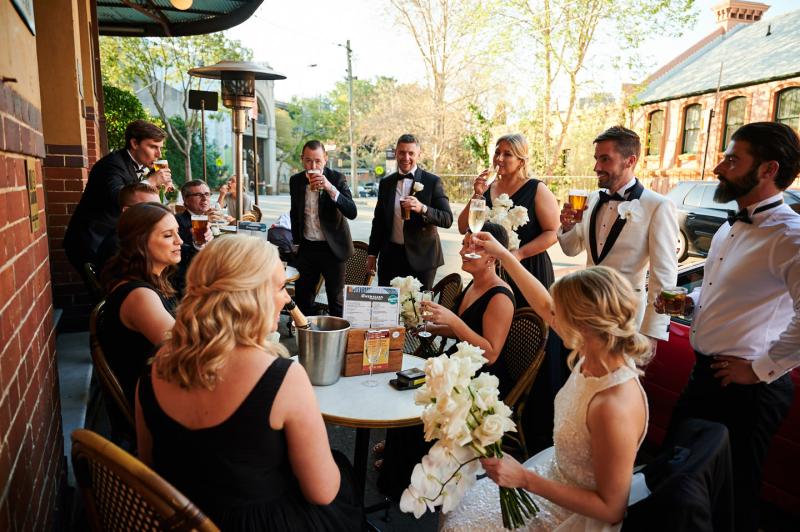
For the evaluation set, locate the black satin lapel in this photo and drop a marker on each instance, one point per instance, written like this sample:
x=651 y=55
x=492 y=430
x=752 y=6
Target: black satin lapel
x=592 y=234
x=619 y=224
x=391 y=193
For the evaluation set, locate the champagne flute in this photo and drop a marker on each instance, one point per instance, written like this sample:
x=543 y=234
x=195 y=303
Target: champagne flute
x=427 y=295
x=373 y=348
x=477 y=217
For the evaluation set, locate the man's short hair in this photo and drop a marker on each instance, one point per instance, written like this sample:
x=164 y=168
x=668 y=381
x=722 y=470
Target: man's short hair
x=313 y=145
x=771 y=141
x=141 y=130
x=191 y=184
x=626 y=141
x=407 y=138
x=129 y=191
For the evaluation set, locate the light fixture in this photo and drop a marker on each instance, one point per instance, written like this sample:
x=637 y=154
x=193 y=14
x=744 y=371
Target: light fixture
x=183 y=5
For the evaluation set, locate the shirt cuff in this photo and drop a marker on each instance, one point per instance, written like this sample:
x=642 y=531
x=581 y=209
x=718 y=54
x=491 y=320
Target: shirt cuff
x=766 y=370
x=335 y=195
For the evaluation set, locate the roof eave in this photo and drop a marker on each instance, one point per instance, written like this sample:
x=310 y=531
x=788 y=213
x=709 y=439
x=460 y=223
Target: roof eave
x=722 y=88
x=199 y=27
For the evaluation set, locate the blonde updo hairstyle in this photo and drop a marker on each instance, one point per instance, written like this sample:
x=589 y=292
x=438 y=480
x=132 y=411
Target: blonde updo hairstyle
x=602 y=302
x=227 y=302
x=519 y=147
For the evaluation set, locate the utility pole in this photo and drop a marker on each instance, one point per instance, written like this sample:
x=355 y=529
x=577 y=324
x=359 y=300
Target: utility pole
x=353 y=155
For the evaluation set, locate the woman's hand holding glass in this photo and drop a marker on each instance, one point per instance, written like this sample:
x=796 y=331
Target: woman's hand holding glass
x=486 y=243
x=437 y=313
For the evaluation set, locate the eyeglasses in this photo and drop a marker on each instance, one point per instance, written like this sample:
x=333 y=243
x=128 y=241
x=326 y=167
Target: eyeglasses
x=196 y=194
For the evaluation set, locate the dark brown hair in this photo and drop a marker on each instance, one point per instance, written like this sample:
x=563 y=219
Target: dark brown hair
x=191 y=184
x=141 y=130
x=132 y=261
x=408 y=138
x=313 y=145
x=127 y=192
x=771 y=141
x=626 y=141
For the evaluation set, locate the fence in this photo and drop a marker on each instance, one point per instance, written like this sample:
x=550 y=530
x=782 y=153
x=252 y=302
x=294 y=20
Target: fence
x=458 y=187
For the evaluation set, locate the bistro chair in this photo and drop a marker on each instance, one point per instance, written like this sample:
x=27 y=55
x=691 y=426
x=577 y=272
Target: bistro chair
x=356 y=273
x=523 y=353
x=123 y=426
x=122 y=493
x=95 y=290
x=256 y=210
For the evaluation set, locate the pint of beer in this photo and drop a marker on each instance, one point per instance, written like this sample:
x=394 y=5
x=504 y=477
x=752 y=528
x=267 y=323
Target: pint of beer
x=159 y=164
x=199 y=228
x=674 y=300
x=577 y=200
x=311 y=174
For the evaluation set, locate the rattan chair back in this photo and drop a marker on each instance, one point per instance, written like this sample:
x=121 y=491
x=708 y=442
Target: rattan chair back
x=523 y=352
x=122 y=493
x=112 y=390
x=356 y=272
x=256 y=210
x=447 y=289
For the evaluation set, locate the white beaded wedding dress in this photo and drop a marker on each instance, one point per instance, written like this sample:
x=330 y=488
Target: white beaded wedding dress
x=569 y=461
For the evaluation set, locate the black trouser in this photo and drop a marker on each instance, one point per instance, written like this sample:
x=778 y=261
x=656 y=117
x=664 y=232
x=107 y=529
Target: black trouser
x=315 y=259
x=752 y=413
x=394 y=263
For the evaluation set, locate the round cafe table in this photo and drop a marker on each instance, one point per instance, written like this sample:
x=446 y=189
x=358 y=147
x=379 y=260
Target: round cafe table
x=349 y=403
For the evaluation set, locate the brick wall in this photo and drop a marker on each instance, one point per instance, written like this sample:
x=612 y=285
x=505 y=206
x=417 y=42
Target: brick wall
x=31 y=444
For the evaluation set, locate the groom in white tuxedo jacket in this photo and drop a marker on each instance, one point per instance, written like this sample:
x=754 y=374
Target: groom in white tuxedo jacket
x=626 y=227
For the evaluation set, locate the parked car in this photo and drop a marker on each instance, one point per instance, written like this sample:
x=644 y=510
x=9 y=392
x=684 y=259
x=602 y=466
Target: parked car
x=667 y=375
x=699 y=216
x=368 y=190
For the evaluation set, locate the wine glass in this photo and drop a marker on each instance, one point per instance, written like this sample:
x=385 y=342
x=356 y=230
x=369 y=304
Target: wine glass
x=427 y=295
x=373 y=348
x=477 y=217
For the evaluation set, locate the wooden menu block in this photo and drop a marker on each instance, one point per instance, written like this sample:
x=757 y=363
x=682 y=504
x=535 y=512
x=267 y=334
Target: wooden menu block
x=354 y=358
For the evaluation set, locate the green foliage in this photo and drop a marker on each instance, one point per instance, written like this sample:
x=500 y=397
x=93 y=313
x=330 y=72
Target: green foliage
x=121 y=108
x=177 y=161
x=477 y=142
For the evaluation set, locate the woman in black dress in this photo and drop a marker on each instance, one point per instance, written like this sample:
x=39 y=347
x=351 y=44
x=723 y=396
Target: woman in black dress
x=139 y=305
x=226 y=419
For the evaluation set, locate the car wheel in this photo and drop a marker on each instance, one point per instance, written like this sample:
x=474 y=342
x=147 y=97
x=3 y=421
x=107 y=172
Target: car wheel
x=682 y=249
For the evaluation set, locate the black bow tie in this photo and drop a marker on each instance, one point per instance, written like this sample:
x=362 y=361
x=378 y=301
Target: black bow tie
x=605 y=197
x=405 y=176
x=743 y=217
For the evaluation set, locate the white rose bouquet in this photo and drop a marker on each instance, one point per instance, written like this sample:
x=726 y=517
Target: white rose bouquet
x=466 y=416
x=503 y=212
x=410 y=297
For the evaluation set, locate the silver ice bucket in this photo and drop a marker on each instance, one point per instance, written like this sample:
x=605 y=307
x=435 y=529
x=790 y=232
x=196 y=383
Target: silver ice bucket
x=321 y=349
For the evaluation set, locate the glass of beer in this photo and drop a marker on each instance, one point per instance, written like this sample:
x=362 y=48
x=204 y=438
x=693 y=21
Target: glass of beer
x=674 y=300
x=577 y=200
x=311 y=174
x=426 y=296
x=159 y=164
x=477 y=217
x=199 y=228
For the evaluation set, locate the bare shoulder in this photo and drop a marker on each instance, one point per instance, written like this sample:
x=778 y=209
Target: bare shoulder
x=141 y=298
x=624 y=401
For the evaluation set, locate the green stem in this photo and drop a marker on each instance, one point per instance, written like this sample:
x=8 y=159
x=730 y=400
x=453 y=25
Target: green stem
x=451 y=478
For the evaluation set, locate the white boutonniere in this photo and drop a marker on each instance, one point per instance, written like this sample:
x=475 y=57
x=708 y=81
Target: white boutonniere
x=630 y=210
x=417 y=187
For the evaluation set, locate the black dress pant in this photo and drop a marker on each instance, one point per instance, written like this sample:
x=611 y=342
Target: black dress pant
x=315 y=259
x=752 y=413
x=394 y=263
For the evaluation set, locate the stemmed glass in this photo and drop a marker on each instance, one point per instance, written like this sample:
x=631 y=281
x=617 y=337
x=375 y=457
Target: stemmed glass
x=373 y=348
x=427 y=296
x=477 y=217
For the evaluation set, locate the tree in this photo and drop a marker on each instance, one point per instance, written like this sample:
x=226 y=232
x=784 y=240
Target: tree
x=161 y=65
x=121 y=108
x=176 y=159
x=563 y=33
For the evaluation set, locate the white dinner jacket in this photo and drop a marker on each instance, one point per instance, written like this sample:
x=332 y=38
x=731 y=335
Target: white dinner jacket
x=650 y=241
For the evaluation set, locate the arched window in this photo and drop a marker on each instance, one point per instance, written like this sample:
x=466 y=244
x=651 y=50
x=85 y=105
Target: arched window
x=655 y=130
x=691 y=128
x=262 y=112
x=788 y=109
x=734 y=118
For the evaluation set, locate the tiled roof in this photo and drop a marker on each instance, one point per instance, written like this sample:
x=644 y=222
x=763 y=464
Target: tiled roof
x=750 y=56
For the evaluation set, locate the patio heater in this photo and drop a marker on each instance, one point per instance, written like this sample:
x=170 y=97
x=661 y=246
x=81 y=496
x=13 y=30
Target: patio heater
x=238 y=94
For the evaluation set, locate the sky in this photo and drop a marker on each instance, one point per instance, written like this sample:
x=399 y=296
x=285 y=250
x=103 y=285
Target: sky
x=308 y=46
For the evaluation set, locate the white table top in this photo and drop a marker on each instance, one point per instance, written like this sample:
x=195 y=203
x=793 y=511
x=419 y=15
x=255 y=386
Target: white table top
x=350 y=403
x=291 y=273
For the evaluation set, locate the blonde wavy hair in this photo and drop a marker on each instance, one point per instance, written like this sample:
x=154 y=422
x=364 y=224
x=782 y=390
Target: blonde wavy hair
x=601 y=301
x=227 y=302
x=519 y=147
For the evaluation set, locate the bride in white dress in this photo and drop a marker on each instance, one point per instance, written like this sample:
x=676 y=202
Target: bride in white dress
x=583 y=482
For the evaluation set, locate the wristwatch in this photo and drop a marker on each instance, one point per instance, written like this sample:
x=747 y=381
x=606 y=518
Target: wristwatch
x=424 y=209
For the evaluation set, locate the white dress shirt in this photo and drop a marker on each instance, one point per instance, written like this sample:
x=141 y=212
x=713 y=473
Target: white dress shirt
x=608 y=215
x=403 y=189
x=312 y=230
x=749 y=303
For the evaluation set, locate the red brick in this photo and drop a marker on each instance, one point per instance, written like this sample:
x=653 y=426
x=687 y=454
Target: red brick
x=12 y=135
x=63 y=197
x=54 y=183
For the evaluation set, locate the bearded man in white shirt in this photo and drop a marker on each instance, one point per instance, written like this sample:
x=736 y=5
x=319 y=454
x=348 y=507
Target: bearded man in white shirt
x=746 y=315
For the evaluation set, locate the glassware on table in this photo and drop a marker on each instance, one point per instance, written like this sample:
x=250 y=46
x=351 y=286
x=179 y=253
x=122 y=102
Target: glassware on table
x=199 y=228
x=427 y=296
x=477 y=217
x=372 y=346
x=577 y=200
x=674 y=300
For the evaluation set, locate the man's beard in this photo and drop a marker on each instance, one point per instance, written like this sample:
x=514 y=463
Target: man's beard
x=729 y=191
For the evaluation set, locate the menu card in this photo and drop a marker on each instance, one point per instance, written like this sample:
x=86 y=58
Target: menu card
x=371 y=306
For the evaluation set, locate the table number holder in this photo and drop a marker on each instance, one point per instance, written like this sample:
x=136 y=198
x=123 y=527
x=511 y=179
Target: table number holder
x=354 y=357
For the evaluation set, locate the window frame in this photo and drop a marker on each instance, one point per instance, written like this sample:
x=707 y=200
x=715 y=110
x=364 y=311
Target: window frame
x=650 y=144
x=684 y=130
x=726 y=133
x=778 y=101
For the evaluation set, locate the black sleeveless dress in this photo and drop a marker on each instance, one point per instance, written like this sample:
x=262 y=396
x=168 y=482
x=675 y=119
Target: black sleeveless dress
x=539 y=265
x=473 y=317
x=127 y=351
x=238 y=472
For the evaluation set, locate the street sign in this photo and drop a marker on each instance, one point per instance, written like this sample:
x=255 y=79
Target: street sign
x=379 y=170
x=219 y=162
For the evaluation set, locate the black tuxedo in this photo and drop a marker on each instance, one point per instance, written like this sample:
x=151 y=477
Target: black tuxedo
x=326 y=258
x=188 y=251
x=421 y=253
x=98 y=211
